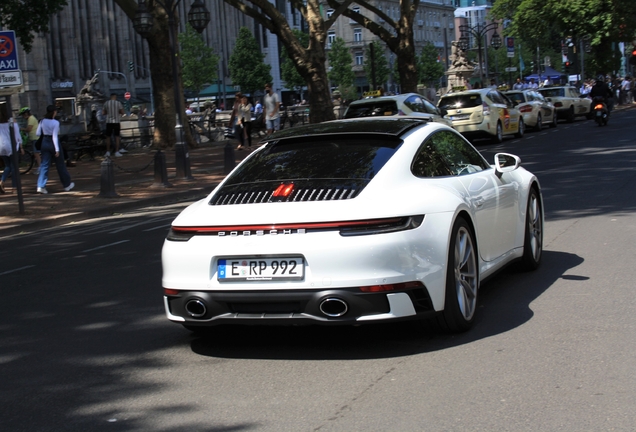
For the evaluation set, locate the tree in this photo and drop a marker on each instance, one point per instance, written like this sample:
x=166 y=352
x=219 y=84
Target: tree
x=376 y=66
x=289 y=73
x=340 y=62
x=398 y=36
x=541 y=22
x=430 y=70
x=200 y=64
x=28 y=17
x=246 y=65
x=162 y=77
x=309 y=59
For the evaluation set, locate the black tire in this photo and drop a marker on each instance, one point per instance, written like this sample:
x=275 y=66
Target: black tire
x=533 y=239
x=498 y=138
x=539 y=125
x=555 y=120
x=570 y=117
x=25 y=161
x=522 y=128
x=462 y=281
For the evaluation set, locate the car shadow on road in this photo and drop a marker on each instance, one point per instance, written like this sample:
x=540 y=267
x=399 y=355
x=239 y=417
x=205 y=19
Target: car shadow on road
x=504 y=305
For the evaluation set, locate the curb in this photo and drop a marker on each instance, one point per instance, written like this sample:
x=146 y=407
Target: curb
x=106 y=210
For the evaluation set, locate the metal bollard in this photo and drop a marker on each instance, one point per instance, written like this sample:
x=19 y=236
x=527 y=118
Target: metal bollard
x=230 y=161
x=161 y=171
x=107 y=180
x=182 y=157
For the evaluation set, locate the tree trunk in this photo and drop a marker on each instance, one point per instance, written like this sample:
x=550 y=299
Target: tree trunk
x=320 y=103
x=163 y=81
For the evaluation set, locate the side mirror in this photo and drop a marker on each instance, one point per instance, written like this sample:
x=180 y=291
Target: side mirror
x=506 y=162
x=443 y=112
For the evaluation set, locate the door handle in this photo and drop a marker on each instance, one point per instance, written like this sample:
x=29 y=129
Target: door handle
x=478 y=202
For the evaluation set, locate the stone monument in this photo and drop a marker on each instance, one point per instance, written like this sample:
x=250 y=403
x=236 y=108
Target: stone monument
x=461 y=68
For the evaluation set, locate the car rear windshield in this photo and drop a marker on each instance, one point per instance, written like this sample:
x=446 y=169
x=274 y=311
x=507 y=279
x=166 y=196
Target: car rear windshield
x=333 y=167
x=372 y=108
x=517 y=97
x=554 y=92
x=460 y=101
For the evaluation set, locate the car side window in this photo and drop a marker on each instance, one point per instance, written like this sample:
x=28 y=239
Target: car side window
x=446 y=153
x=429 y=107
x=414 y=104
x=495 y=97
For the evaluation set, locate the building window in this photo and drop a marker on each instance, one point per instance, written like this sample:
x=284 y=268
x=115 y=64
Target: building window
x=329 y=13
x=359 y=58
x=357 y=35
x=331 y=37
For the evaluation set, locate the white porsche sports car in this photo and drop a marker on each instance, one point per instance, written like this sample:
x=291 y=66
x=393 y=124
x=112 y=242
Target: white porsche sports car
x=352 y=222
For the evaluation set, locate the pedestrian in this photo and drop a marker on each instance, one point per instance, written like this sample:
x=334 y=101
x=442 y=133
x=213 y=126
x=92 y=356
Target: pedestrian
x=113 y=110
x=258 y=108
x=51 y=149
x=626 y=90
x=518 y=85
x=533 y=85
x=271 y=111
x=6 y=149
x=31 y=128
x=245 y=113
x=234 y=124
x=493 y=84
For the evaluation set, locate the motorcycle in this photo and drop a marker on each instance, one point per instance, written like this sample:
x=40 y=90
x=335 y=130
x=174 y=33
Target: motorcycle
x=601 y=113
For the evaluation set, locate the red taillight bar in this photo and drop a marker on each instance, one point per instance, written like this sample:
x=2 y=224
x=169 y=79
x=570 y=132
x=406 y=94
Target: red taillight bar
x=392 y=287
x=314 y=225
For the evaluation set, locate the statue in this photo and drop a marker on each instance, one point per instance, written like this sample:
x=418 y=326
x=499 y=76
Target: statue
x=89 y=92
x=460 y=69
x=457 y=58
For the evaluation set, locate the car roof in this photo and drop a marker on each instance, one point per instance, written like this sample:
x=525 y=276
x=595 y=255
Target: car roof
x=357 y=126
x=472 y=91
x=397 y=97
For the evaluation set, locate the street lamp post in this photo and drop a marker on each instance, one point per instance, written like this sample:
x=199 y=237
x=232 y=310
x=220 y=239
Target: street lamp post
x=495 y=43
x=198 y=17
x=478 y=32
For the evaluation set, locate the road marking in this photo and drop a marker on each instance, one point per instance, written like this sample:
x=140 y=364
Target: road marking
x=15 y=270
x=167 y=226
x=105 y=246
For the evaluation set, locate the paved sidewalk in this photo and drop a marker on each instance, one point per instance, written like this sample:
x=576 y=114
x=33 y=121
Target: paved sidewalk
x=135 y=186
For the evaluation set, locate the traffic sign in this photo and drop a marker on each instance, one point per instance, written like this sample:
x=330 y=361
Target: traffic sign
x=8 y=51
x=10 y=78
x=510 y=46
x=511 y=69
x=127 y=95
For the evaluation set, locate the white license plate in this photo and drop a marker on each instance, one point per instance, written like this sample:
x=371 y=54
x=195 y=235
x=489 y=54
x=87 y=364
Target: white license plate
x=460 y=117
x=599 y=113
x=260 y=269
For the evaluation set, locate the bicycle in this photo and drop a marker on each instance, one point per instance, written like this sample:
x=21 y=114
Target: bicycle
x=25 y=162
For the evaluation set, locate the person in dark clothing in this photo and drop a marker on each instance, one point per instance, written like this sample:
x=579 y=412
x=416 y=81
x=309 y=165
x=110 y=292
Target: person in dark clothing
x=601 y=89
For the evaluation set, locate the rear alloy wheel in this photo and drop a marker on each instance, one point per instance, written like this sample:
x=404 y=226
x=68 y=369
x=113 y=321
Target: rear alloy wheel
x=570 y=117
x=533 y=240
x=554 y=120
x=462 y=280
x=522 y=128
x=498 y=134
x=539 y=122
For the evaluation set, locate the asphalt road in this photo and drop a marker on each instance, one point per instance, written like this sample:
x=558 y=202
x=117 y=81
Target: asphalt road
x=85 y=345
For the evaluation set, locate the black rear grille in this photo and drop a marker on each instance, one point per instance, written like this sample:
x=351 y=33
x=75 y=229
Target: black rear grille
x=302 y=192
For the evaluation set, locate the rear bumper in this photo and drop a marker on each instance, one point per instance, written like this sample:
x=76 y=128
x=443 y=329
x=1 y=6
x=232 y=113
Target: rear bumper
x=344 y=306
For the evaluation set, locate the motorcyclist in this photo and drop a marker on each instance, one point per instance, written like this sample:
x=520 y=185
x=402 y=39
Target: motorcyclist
x=602 y=90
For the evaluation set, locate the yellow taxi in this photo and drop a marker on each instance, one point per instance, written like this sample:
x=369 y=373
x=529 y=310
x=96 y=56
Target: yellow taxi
x=482 y=113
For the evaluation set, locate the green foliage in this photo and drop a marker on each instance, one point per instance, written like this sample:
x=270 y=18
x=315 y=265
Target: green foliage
x=246 y=65
x=28 y=17
x=200 y=64
x=340 y=61
x=381 y=64
x=546 y=22
x=289 y=74
x=348 y=93
x=429 y=69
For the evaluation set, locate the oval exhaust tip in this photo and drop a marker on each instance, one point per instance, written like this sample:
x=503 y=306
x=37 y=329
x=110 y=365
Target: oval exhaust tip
x=196 y=308
x=333 y=307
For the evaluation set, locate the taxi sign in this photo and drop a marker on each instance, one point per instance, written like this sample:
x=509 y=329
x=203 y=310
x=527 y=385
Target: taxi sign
x=372 y=93
x=8 y=51
x=11 y=78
